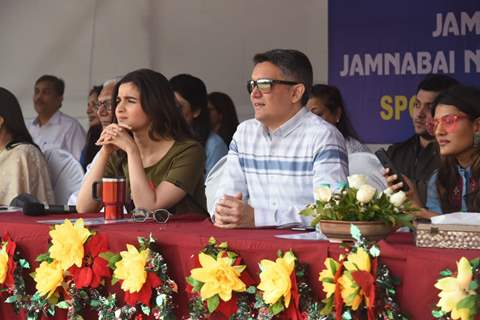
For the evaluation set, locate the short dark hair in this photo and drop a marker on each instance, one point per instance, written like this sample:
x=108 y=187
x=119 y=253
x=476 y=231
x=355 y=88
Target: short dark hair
x=294 y=64
x=158 y=103
x=225 y=106
x=96 y=90
x=11 y=112
x=436 y=83
x=58 y=84
x=332 y=99
x=194 y=91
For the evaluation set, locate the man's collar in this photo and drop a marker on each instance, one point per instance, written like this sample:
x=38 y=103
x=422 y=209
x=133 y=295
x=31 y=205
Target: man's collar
x=54 y=119
x=289 y=125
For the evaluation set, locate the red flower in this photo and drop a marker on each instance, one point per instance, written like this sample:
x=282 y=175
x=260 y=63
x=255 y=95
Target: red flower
x=11 y=247
x=144 y=295
x=94 y=267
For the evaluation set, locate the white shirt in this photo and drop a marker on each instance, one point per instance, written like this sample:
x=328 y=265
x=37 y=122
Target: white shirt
x=277 y=172
x=61 y=131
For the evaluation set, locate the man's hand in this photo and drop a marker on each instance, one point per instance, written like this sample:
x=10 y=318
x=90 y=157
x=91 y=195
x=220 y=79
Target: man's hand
x=232 y=212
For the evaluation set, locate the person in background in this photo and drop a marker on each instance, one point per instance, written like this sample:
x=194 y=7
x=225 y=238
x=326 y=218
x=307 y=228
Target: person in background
x=191 y=95
x=278 y=159
x=455 y=186
x=223 y=116
x=52 y=128
x=417 y=157
x=326 y=101
x=151 y=145
x=23 y=168
x=93 y=133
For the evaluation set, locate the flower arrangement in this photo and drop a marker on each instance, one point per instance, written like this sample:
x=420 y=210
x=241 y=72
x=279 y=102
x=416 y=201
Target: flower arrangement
x=12 y=266
x=143 y=277
x=70 y=273
x=283 y=291
x=360 y=202
x=218 y=285
x=358 y=285
x=460 y=293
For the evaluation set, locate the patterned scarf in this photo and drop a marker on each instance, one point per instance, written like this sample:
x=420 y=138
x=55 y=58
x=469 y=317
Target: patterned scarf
x=456 y=195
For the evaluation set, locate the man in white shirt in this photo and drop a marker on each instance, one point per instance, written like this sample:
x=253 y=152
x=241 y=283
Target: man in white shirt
x=52 y=128
x=278 y=159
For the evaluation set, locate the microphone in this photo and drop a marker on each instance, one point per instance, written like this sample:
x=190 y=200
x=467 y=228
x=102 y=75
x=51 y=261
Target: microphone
x=39 y=209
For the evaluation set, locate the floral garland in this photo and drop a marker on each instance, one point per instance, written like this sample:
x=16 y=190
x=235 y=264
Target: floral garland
x=71 y=274
x=460 y=294
x=12 y=267
x=283 y=292
x=144 y=279
x=219 y=285
x=358 y=285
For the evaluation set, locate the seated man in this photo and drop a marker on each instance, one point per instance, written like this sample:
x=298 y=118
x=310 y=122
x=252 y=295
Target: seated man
x=52 y=128
x=417 y=158
x=276 y=160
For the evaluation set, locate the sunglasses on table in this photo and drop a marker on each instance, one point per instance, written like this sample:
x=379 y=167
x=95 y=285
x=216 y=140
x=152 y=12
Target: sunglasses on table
x=266 y=85
x=159 y=215
x=448 y=121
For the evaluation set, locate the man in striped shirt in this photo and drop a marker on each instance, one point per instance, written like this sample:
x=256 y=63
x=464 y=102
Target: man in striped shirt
x=276 y=160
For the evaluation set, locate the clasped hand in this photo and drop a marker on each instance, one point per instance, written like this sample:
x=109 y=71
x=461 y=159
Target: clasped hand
x=233 y=212
x=116 y=136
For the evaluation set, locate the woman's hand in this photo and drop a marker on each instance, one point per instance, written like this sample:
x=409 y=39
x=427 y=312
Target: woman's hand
x=412 y=193
x=116 y=136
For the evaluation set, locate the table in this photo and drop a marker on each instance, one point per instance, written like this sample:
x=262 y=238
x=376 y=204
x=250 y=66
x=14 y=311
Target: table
x=184 y=236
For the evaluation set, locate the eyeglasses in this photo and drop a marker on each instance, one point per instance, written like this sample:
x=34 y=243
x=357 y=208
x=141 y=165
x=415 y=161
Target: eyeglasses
x=106 y=104
x=265 y=85
x=448 y=121
x=159 y=215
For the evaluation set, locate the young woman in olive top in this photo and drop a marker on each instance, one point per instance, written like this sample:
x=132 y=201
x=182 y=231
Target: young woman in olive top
x=151 y=145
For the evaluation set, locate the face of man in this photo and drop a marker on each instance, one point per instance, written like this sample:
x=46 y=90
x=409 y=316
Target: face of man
x=421 y=112
x=282 y=102
x=46 y=100
x=104 y=110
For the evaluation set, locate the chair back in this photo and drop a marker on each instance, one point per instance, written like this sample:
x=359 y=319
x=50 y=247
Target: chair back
x=212 y=182
x=66 y=174
x=367 y=164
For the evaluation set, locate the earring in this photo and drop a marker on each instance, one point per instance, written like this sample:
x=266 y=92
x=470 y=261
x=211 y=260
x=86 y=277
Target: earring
x=476 y=139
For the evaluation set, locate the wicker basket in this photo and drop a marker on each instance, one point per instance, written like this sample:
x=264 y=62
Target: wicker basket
x=447 y=236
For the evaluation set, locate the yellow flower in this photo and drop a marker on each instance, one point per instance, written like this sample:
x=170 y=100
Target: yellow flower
x=327 y=276
x=67 y=243
x=218 y=277
x=454 y=289
x=3 y=264
x=275 y=278
x=351 y=292
x=131 y=269
x=48 y=277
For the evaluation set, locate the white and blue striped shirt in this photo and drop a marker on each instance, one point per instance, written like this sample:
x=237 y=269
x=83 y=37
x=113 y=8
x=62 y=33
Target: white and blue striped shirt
x=278 y=171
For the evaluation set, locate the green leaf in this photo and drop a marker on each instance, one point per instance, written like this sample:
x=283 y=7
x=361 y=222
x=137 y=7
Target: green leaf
x=24 y=264
x=223 y=245
x=63 y=305
x=160 y=300
x=95 y=303
x=446 y=273
x=111 y=258
x=11 y=299
x=145 y=309
x=347 y=315
x=212 y=241
x=475 y=263
x=374 y=251
x=212 y=303
x=277 y=307
x=196 y=285
x=467 y=303
x=333 y=266
x=252 y=289
x=355 y=232
x=438 y=313
x=43 y=257
x=473 y=285
x=114 y=280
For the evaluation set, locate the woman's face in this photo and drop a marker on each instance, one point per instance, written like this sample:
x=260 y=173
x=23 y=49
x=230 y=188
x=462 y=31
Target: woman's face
x=215 y=116
x=92 y=110
x=129 y=110
x=185 y=108
x=316 y=105
x=453 y=130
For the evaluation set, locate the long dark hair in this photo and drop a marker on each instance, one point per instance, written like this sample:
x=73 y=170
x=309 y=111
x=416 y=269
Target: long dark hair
x=91 y=149
x=194 y=91
x=11 y=112
x=158 y=103
x=467 y=100
x=224 y=105
x=332 y=99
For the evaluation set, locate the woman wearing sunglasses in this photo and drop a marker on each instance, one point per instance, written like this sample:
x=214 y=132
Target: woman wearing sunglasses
x=455 y=186
x=151 y=145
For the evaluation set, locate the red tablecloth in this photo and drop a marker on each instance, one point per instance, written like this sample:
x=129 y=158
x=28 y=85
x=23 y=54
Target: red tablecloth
x=184 y=236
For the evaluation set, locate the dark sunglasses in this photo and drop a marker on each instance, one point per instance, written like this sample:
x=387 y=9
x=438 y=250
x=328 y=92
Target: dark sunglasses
x=265 y=85
x=159 y=215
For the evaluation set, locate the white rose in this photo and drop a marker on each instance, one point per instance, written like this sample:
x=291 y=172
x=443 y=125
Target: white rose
x=365 y=193
x=356 y=181
x=323 y=194
x=398 y=198
x=388 y=191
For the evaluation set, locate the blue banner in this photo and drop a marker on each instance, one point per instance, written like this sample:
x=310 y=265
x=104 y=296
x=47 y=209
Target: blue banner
x=380 y=50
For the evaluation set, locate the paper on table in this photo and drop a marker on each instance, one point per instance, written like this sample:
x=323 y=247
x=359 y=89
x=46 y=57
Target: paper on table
x=303 y=236
x=463 y=218
x=87 y=221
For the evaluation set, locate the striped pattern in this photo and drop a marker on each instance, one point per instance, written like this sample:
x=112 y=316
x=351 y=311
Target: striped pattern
x=277 y=172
